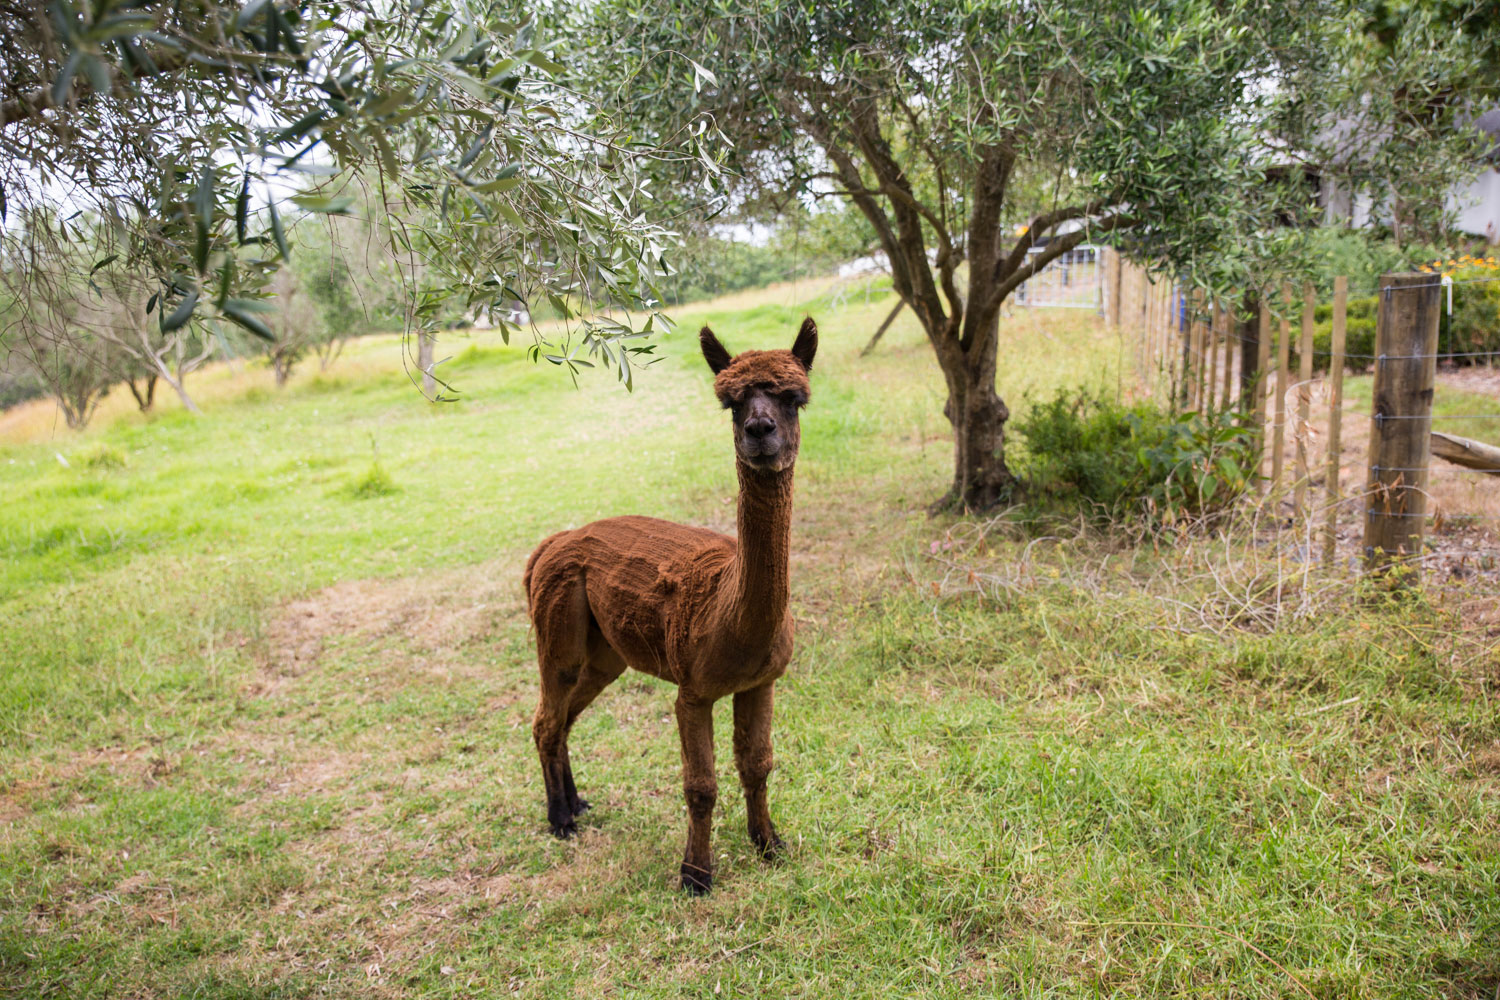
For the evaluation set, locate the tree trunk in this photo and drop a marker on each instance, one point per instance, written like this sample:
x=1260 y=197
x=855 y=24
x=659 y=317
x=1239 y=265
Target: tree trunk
x=981 y=479
x=425 y=344
x=74 y=418
x=329 y=351
x=145 y=396
x=1249 y=334
x=177 y=385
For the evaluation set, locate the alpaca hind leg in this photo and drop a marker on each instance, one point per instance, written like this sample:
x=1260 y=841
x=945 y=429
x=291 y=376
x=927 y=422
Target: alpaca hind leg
x=562 y=625
x=549 y=729
x=753 y=758
x=695 y=727
x=603 y=667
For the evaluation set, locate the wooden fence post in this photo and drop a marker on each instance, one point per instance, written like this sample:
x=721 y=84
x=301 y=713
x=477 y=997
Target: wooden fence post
x=1249 y=329
x=1283 y=362
x=1335 y=414
x=1210 y=356
x=1262 y=364
x=1190 y=352
x=1226 y=322
x=1160 y=364
x=1166 y=337
x=1153 y=301
x=1304 y=399
x=884 y=326
x=1143 y=301
x=1179 y=360
x=1406 y=335
x=1138 y=323
x=1115 y=272
x=1160 y=347
x=1121 y=273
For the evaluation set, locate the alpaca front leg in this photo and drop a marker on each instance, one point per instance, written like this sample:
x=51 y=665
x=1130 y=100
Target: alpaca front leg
x=753 y=757
x=695 y=727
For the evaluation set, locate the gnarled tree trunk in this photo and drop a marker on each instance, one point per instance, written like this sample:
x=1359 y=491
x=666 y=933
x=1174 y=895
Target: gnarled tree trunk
x=981 y=479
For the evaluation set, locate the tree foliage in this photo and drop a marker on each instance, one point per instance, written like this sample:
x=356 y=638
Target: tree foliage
x=986 y=138
x=80 y=322
x=188 y=131
x=951 y=126
x=716 y=260
x=1395 y=122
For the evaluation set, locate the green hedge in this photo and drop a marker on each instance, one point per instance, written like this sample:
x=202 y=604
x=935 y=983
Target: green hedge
x=1359 y=335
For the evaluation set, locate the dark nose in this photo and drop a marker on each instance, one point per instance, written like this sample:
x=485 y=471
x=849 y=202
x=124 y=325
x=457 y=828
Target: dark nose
x=759 y=426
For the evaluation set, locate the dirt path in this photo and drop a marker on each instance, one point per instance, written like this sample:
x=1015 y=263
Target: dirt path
x=1483 y=380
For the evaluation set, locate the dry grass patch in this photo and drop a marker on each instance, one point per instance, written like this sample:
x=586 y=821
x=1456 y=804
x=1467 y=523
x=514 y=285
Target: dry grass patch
x=432 y=612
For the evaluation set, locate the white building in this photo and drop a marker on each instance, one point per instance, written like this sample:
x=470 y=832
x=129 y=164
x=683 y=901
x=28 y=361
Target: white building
x=1475 y=205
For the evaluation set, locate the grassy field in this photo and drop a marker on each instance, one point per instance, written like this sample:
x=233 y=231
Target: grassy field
x=266 y=688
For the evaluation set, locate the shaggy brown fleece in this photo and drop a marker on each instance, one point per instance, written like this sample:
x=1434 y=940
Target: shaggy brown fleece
x=776 y=371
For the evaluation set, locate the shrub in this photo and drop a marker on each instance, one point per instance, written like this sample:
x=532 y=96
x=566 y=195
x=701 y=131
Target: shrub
x=1362 y=257
x=1115 y=462
x=1474 y=326
x=17 y=388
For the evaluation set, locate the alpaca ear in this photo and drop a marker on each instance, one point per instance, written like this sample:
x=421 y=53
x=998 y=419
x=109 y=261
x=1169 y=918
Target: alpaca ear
x=713 y=352
x=807 y=343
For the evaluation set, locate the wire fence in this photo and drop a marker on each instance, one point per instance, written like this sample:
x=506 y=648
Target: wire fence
x=1255 y=356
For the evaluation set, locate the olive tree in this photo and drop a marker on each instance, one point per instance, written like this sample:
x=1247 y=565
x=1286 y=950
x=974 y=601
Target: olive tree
x=1400 y=115
x=951 y=126
x=186 y=131
x=82 y=322
x=58 y=355
x=295 y=323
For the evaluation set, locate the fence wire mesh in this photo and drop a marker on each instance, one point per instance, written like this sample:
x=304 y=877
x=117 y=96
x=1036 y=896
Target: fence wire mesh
x=1208 y=357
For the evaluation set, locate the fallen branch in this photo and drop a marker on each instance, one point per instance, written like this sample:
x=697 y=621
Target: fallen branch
x=900 y=303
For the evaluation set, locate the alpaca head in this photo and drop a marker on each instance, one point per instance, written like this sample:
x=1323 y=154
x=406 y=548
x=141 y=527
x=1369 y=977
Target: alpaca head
x=764 y=390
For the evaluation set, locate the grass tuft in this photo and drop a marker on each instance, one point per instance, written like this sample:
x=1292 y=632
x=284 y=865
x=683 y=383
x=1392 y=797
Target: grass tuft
x=101 y=458
x=376 y=482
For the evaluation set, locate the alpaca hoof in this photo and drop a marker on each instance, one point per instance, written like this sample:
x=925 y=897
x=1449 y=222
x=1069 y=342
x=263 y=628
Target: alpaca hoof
x=770 y=848
x=580 y=807
x=562 y=831
x=696 y=881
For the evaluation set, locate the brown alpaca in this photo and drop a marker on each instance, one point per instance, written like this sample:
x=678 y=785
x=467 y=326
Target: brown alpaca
x=688 y=605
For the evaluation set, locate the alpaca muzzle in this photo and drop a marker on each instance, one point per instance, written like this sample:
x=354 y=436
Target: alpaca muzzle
x=766 y=453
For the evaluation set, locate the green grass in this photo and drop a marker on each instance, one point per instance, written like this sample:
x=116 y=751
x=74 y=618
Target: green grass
x=266 y=692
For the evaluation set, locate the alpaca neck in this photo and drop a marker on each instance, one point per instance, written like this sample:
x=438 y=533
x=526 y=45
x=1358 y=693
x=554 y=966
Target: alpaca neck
x=760 y=581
